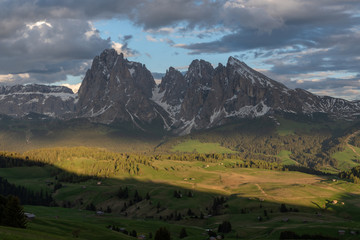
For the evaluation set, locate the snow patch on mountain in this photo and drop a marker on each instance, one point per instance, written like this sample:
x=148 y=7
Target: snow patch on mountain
x=157 y=97
x=188 y=126
x=258 y=110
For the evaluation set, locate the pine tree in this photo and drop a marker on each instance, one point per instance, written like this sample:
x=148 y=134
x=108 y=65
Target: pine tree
x=162 y=234
x=133 y=233
x=225 y=227
x=108 y=209
x=13 y=214
x=283 y=208
x=183 y=233
x=3 y=201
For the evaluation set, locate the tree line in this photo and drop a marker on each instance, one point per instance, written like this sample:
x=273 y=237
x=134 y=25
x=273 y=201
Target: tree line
x=352 y=174
x=259 y=139
x=25 y=195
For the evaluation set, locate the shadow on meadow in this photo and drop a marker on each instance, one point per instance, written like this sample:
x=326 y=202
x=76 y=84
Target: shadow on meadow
x=119 y=203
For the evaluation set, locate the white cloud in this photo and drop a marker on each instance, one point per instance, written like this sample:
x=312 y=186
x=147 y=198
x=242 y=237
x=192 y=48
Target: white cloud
x=151 y=39
x=10 y=78
x=73 y=87
x=120 y=48
x=6 y=77
x=39 y=24
x=179 y=45
x=347 y=92
x=117 y=46
x=92 y=32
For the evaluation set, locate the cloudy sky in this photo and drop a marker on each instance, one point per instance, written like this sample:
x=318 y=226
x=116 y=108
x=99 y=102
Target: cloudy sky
x=311 y=44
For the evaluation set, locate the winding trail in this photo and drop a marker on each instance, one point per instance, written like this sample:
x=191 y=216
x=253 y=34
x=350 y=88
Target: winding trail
x=261 y=190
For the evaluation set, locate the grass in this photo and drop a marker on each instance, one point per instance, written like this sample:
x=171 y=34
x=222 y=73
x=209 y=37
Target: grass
x=200 y=147
x=285 y=158
x=23 y=135
x=288 y=127
x=33 y=178
x=254 y=190
x=61 y=223
x=347 y=158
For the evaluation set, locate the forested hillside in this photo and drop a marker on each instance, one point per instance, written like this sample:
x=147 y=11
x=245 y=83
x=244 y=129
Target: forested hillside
x=292 y=142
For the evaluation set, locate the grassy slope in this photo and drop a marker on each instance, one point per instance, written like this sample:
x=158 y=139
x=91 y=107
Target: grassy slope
x=285 y=158
x=243 y=187
x=288 y=126
x=200 y=147
x=20 y=135
x=346 y=158
x=33 y=178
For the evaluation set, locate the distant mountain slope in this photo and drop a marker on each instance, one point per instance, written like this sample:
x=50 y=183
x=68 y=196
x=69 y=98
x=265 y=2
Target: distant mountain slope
x=118 y=90
x=53 y=101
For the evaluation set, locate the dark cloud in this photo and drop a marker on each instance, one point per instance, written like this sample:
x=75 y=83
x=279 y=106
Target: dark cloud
x=326 y=83
x=50 y=50
x=48 y=40
x=294 y=37
x=126 y=38
x=160 y=13
x=345 y=85
x=295 y=41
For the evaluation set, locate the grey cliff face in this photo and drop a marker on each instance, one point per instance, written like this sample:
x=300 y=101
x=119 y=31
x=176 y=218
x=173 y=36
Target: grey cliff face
x=118 y=90
x=115 y=89
x=206 y=97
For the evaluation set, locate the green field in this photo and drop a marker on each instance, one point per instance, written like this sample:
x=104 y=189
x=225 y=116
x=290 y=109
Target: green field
x=200 y=147
x=61 y=223
x=163 y=167
x=285 y=158
x=248 y=192
x=288 y=127
x=347 y=158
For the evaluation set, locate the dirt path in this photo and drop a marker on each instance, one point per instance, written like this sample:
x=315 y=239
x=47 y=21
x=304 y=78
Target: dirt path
x=261 y=190
x=349 y=145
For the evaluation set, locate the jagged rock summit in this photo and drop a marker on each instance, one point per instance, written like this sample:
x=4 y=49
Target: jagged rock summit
x=115 y=89
x=118 y=90
x=206 y=97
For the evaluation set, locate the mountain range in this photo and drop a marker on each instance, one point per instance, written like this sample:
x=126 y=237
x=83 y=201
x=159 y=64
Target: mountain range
x=118 y=90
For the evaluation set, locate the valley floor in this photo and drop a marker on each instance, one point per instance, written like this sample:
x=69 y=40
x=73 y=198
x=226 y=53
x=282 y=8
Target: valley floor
x=251 y=201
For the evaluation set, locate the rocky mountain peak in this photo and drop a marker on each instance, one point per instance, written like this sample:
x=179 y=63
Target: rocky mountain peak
x=173 y=79
x=241 y=69
x=115 y=89
x=118 y=90
x=109 y=56
x=199 y=71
